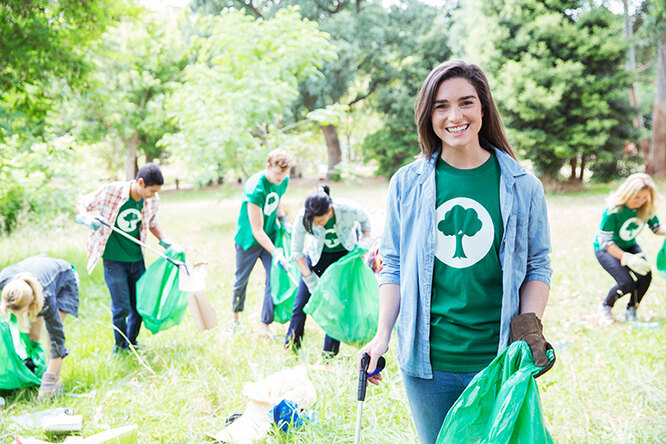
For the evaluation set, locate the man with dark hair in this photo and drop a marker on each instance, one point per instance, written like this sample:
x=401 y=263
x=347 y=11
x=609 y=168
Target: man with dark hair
x=130 y=206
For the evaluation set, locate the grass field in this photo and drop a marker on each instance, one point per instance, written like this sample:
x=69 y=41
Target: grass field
x=608 y=385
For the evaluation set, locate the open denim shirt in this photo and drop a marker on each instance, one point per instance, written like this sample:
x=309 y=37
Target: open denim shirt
x=408 y=250
x=348 y=217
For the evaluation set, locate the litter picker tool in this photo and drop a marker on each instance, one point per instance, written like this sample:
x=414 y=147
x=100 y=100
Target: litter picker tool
x=291 y=278
x=362 y=385
x=178 y=264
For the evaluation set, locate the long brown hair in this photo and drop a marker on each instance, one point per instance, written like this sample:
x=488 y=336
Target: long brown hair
x=491 y=131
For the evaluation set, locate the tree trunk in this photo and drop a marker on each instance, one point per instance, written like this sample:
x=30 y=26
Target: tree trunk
x=583 y=164
x=658 y=148
x=131 y=167
x=573 y=164
x=643 y=143
x=333 y=148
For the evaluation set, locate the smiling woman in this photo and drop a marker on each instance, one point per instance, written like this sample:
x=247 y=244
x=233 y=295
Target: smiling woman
x=472 y=273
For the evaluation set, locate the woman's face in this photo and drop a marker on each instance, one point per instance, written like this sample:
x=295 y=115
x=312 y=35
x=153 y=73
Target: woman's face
x=457 y=114
x=639 y=199
x=320 y=221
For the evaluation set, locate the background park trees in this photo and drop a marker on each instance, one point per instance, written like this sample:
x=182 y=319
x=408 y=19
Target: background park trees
x=212 y=88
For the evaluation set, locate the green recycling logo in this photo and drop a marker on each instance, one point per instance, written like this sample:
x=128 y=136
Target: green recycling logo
x=128 y=220
x=631 y=228
x=464 y=232
x=272 y=202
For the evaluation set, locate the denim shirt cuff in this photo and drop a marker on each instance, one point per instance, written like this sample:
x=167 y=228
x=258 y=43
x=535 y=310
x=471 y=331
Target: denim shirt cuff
x=388 y=279
x=538 y=276
x=296 y=256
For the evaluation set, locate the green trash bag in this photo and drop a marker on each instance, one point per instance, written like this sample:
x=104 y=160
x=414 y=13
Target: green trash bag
x=159 y=301
x=15 y=348
x=284 y=287
x=346 y=302
x=661 y=260
x=501 y=404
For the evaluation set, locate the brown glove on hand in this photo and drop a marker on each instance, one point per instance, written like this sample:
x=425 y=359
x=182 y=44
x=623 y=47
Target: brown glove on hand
x=527 y=327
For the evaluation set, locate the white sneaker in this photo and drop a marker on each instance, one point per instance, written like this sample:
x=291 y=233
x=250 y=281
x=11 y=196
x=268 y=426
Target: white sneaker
x=605 y=315
x=630 y=314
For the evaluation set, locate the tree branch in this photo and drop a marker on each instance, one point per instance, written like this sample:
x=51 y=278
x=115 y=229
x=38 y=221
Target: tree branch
x=373 y=87
x=255 y=11
x=108 y=127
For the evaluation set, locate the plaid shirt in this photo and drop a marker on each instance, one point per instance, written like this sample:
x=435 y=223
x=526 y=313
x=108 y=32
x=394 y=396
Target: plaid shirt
x=106 y=202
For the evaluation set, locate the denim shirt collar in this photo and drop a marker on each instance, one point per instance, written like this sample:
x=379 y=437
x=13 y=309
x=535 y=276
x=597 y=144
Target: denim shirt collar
x=509 y=169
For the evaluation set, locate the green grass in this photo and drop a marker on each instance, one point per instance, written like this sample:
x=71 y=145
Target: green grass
x=608 y=385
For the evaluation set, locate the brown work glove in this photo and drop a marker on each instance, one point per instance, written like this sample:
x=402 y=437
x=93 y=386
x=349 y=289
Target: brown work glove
x=527 y=327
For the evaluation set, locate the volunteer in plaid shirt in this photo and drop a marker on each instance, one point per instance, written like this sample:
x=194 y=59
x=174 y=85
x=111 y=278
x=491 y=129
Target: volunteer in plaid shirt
x=130 y=206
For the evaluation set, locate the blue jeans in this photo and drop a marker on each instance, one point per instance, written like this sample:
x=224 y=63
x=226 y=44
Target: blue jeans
x=121 y=278
x=431 y=399
x=297 y=322
x=245 y=260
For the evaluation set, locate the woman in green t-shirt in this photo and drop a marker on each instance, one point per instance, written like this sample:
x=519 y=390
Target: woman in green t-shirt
x=615 y=246
x=333 y=227
x=465 y=249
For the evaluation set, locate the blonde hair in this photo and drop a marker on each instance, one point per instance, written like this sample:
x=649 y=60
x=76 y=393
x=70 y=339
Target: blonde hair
x=630 y=188
x=21 y=292
x=279 y=158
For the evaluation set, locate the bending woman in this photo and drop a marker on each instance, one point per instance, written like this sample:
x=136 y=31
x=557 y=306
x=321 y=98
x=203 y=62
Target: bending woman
x=45 y=289
x=333 y=227
x=615 y=247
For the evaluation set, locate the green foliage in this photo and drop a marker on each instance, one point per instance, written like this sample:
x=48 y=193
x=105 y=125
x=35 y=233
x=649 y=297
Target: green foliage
x=234 y=97
x=36 y=183
x=558 y=78
x=43 y=42
x=135 y=68
x=414 y=54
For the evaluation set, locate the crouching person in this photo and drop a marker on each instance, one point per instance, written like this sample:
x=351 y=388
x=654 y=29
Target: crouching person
x=42 y=290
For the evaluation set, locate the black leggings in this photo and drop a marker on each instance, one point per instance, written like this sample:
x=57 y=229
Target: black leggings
x=628 y=282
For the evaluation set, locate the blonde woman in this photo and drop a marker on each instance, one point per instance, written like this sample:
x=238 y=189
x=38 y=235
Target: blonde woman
x=627 y=212
x=43 y=290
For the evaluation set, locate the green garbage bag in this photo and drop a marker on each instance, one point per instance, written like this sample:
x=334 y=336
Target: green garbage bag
x=346 y=302
x=501 y=404
x=159 y=301
x=661 y=259
x=284 y=287
x=15 y=348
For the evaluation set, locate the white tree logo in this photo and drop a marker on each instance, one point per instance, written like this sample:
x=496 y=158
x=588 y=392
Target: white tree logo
x=464 y=232
x=631 y=228
x=129 y=219
x=331 y=238
x=272 y=202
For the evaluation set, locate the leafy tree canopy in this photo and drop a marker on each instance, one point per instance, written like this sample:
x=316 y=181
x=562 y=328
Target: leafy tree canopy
x=42 y=42
x=236 y=94
x=557 y=74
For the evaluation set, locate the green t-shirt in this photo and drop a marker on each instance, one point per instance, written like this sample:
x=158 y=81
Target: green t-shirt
x=266 y=196
x=467 y=277
x=624 y=225
x=118 y=247
x=331 y=241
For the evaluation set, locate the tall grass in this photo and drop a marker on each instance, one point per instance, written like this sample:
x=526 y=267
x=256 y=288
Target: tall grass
x=608 y=385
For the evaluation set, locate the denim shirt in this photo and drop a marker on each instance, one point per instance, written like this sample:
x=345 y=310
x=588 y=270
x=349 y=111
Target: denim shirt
x=408 y=250
x=347 y=214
